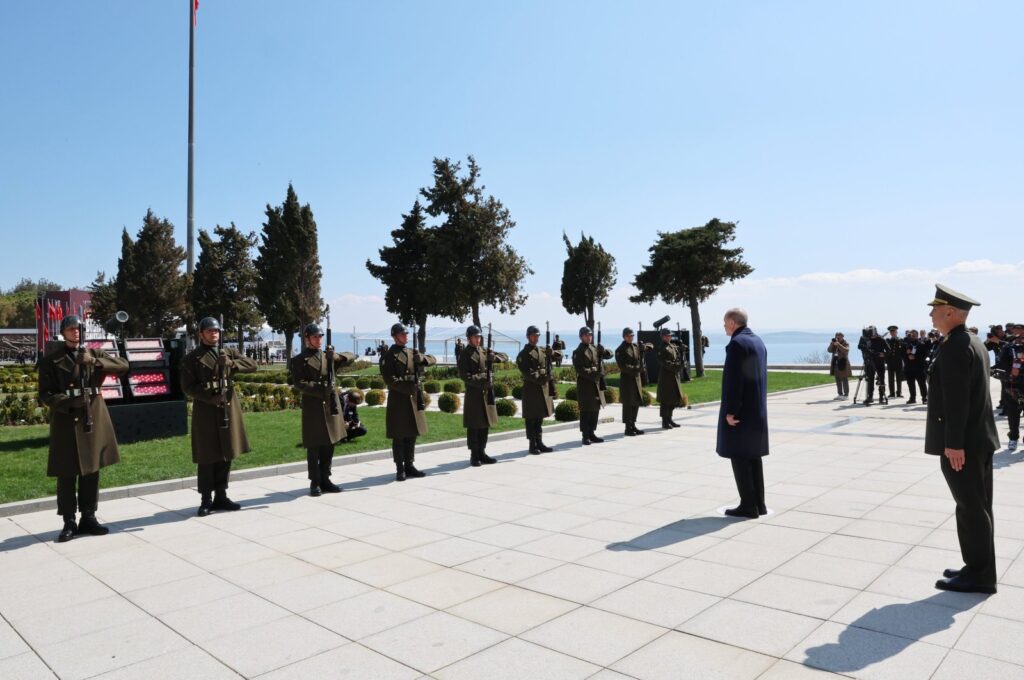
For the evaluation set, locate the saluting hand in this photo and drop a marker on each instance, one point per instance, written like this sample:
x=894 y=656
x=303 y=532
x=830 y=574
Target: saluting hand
x=956 y=459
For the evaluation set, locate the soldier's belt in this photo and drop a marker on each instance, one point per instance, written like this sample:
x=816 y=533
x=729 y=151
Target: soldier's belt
x=214 y=385
x=75 y=392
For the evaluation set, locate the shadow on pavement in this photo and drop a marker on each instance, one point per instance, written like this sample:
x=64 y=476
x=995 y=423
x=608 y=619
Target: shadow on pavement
x=673 y=533
x=884 y=632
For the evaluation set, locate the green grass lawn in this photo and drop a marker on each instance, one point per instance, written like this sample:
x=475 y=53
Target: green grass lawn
x=709 y=388
x=274 y=436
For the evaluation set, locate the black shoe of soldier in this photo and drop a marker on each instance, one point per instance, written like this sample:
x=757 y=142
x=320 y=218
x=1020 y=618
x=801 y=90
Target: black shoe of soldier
x=222 y=502
x=911 y=401
x=958 y=584
x=487 y=460
x=674 y=423
x=665 y=425
x=762 y=509
x=314 y=490
x=330 y=487
x=629 y=432
x=474 y=461
x=399 y=473
x=411 y=471
x=534 y=450
x=868 y=402
x=740 y=511
x=91 y=527
x=595 y=439
x=68 y=532
x=924 y=400
x=543 y=448
x=205 y=507
x=951 y=573
x=586 y=441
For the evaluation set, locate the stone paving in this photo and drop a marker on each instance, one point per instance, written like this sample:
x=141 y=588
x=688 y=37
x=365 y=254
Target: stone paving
x=605 y=562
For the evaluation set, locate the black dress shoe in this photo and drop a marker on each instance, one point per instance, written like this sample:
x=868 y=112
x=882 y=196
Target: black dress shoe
x=411 y=471
x=475 y=462
x=665 y=425
x=68 y=532
x=586 y=441
x=958 y=584
x=534 y=450
x=762 y=509
x=868 y=402
x=91 y=527
x=951 y=573
x=399 y=473
x=674 y=423
x=740 y=511
x=911 y=401
x=222 y=502
x=637 y=430
x=314 y=490
x=487 y=460
x=205 y=507
x=544 y=448
x=330 y=487
x=629 y=432
x=597 y=440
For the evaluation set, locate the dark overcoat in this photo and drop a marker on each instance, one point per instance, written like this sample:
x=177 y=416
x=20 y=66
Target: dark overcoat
x=959 y=401
x=476 y=412
x=586 y=359
x=212 y=443
x=532 y=363
x=745 y=396
x=403 y=418
x=72 y=450
x=840 y=352
x=670 y=394
x=629 y=357
x=309 y=375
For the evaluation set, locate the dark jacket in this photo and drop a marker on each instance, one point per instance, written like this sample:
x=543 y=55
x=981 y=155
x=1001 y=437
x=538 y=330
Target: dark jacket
x=586 y=359
x=72 y=450
x=670 y=394
x=309 y=375
x=629 y=358
x=476 y=412
x=959 y=401
x=212 y=443
x=532 y=364
x=840 y=352
x=398 y=367
x=744 y=396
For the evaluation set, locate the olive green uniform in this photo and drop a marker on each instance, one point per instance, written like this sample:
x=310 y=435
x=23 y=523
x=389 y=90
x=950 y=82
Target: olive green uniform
x=587 y=360
x=670 y=394
x=629 y=358
x=404 y=419
x=537 y=401
x=478 y=416
x=321 y=429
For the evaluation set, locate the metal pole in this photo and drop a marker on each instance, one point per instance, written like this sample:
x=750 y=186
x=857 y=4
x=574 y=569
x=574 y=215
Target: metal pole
x=191 y=121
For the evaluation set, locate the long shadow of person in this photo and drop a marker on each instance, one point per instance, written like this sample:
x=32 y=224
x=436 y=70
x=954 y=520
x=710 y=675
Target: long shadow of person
x=884 y=632
x=673 y=533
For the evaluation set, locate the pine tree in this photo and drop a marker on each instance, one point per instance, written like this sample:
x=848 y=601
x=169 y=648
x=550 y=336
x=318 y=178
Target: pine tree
x=588 y=275
x=225 y=280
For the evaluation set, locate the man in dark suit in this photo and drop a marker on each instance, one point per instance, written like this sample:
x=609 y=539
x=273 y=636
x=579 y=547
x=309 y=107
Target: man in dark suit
x=743 y=415
x=960 y=428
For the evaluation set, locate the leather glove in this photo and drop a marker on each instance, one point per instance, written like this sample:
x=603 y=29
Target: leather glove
x=328 y=391
x=219 y=399
x=224 y=361
x=330 y=353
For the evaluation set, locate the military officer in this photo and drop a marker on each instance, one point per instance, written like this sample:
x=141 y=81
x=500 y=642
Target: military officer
x=478 y=411
x=559 y=346
x=915 y=371
x=670 y=394
x=323 y=422
x=588 y=361
x=630 y=357
x=218 y=431
x=894 y=362
x=537 y=387
x=961 y=430
x=400 y=367
x=82 y=438
x=873 y=351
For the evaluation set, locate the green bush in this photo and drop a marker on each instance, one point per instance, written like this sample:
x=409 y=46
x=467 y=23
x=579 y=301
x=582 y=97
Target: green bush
x=611 y=395
x=567 y=410
x=363 y=383
x=506 y=407
x=347 y=382
x=448 y=402
x=565 y=374
x=377 y=383
x=571 y=393
x=442 y=372
x=517 y=391
x=454 y=386
x=647 y=398
x=375 y=397
x=431 y=386
x=264 y=389
x=500 y=391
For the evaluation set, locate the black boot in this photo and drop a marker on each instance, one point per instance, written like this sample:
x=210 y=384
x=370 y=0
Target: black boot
x=411 y=471
x=474 y=458
x=740 y=511
x=637 y=430
x=205 y=506
x=314 y=489
x=90 y=526
x=69 y=530
x=542 y=447
x=629 y=430
x=586 y=440
x=534 y=449
x=665 y=424
x=673 y=423
x=594 y=438
x=485 y=459
x=328 y=486
x=399 y=472
x=222 y=502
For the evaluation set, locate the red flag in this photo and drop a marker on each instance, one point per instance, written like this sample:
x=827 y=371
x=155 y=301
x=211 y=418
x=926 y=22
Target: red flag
x=195 y=12
x=39 y=311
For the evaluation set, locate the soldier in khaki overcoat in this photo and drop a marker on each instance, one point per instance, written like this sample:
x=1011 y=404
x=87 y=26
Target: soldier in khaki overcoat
x=537 y=402
x=218 y=431
x=82 y=437
x=670 y=394
x=479 y=413
x=630 y=357
x=323 y=421
x=400 y=367
x=586 y=359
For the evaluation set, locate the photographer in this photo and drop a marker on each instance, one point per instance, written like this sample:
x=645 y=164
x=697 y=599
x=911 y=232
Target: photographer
x=915 y=354
x=349 y=401
x=840 y=368
x=1010 y=370
x=873 y=350
x=995 y=340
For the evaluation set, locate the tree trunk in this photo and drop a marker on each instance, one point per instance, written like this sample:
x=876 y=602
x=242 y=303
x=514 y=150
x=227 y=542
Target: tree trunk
x=696 y=340
x=241 y=338
x=590 y=317
x=289 y=337
x=421 y=326
x=476 y=315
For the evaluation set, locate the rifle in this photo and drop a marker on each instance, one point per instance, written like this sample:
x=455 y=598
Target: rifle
x=83 y=382
x=222 y=383
x=640 y=353
x=552 y=391
x=490 y=367
x=421 y=404
x=329 y=357
x=600 y=361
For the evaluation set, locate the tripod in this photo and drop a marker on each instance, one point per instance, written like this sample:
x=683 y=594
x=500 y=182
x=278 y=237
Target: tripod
x=879 y=382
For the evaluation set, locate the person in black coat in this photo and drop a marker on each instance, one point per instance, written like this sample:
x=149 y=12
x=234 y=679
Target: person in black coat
x=743 y=415
x=961 y=430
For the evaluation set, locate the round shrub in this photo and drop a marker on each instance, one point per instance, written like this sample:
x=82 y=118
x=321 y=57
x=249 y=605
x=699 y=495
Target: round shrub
x=567 y=410
x=432 y=386
x=264 y=389
x=571 y=393
x=348 y=382
x=611 y=395
x=454 y=386
x=517 y=391
x=363 y=383
x=448 y=402
x=506 y=407
x=500 y=391
x=377 y=383
x=375 y=397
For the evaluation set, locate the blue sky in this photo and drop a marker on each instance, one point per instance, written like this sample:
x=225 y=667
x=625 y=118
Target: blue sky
x=865 y=149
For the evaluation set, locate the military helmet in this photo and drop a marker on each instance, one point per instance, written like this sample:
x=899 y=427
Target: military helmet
x=70 y=321
x=585 y=330
x=627 y=331
x=471 y=331
x=532 y=330
x=397 y=328
x=311 y=329
x=209 y=323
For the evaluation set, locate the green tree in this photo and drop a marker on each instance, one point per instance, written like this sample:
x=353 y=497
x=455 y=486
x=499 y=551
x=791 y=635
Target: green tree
x=406 y=273
x=288 y=268
x=18 y=305
x=225 y=280
x=689 y=266
x=103 y=297
x=470 y=245
x=588 y=275
x=150 y=285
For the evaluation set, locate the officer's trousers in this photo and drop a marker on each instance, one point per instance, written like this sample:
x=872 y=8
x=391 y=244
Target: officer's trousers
x=914 y=381
x=213 y=476
x=318 y=463
x=534 y=429
x=972 y=490
x=403 y=450
x=87 y=498
x=629 y=413
x=588 y=422
x=476 y=439
x=749 y=476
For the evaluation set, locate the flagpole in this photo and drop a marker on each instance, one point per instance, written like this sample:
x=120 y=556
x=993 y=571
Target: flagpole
x=191 y=140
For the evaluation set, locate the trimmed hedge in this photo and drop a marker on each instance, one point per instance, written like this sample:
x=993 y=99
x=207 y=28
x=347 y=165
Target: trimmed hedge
x=572 y=394
x=347 y=382
x=646 y=396
x=363 y=383
x=506 y=407
x=431 y=386
x=454 y=386
x=517 y=391
x=449 y=402
x=501 y=391
x=377 y=383
x=611 y=395
x=567 y=410
x=375 y=398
